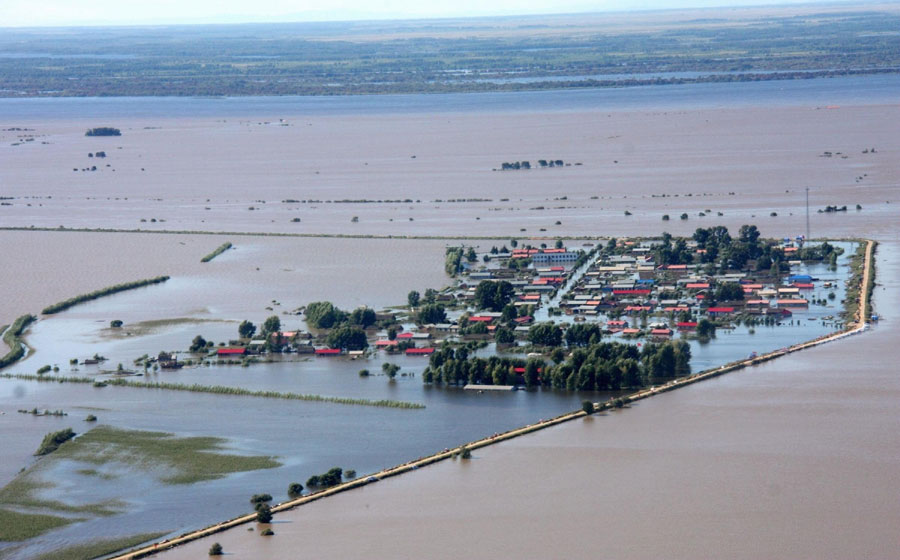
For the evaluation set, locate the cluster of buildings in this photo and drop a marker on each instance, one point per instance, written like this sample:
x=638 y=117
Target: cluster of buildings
x=629 y=289
x=625 y=291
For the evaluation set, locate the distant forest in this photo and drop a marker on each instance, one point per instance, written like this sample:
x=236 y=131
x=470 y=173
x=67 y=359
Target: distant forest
x=488 y=54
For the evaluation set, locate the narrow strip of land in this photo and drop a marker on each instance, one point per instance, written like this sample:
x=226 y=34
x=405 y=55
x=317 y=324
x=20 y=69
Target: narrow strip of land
x=857 y=327
x=97 y=294
x=301 y=235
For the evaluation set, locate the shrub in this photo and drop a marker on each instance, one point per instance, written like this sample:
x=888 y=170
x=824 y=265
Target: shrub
x=90 y=418
x=349 y=474
x=267 y=532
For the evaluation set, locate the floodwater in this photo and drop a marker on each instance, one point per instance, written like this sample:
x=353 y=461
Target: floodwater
x=238 y=284
x=774 y=450
x=795 y=458
x=225 y=171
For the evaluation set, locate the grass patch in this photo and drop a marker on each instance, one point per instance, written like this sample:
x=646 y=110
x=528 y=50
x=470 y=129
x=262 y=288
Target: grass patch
x=219 y=250
x=190 y=459
x=73 y=301
x=99 y=548
x=16 y=526
x=216 y=390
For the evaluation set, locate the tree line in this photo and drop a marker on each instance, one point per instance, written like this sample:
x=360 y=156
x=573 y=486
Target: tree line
x=600 y=366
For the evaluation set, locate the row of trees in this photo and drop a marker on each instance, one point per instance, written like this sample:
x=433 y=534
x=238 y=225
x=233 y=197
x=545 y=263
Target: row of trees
x=603 y=366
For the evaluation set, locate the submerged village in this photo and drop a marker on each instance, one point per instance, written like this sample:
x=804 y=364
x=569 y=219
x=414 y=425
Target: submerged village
x=603 y=315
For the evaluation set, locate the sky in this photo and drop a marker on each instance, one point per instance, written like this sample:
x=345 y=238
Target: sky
x=39 y=13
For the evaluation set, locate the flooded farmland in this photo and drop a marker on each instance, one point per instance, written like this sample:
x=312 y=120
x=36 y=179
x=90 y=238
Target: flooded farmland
x=766 y=155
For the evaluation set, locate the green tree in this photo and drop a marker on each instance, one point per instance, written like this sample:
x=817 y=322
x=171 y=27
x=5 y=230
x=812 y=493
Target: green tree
x=294 y=489
x=587 y=407
x=198 y=344
x=748 y=234
x=362 y=317
x=432 y=313
x=558 y=244
x=545 y=334
x=271 y=325
x=258 y=499
x=509 y=313
x=729 y=291
x=392 y=332
x=412 y=298
x=347 y=337
x=324 y=315
x=390 y=370
x=264 y=514
x=216 y=550
x=504 y=335
x=705 y=329
x=453 y=260
x=583 y=334
x=532 y=372
x=493 y=295
x=246 y=329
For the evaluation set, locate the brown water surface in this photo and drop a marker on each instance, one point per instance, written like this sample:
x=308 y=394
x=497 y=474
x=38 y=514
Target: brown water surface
x=796 y=458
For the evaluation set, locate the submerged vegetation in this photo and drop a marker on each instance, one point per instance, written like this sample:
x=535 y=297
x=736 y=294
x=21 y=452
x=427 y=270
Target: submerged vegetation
x=18 y=526
x=216 y=389
x=186 y=459
x=219 y=250
x=73 y=301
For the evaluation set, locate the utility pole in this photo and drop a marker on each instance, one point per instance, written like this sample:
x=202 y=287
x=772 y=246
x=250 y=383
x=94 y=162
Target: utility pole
x=807 y=213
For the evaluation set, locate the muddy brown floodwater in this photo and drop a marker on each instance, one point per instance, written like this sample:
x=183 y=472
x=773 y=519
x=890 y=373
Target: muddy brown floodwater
x=796 y=458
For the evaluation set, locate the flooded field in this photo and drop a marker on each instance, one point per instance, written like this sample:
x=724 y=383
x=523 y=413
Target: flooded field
x=771 y=426
x=236 y=285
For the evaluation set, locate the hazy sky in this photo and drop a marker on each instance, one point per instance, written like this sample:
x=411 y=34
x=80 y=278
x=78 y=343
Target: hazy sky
x=130 y=12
